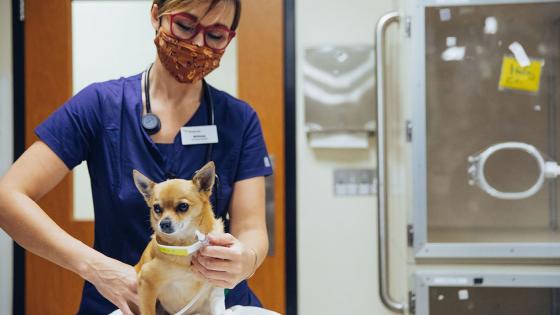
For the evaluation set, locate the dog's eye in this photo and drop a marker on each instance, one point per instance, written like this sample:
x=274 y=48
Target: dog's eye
x=183 y=207
x=157 y=209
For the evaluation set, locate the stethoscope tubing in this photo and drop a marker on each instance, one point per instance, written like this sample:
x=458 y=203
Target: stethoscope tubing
x=153 y=124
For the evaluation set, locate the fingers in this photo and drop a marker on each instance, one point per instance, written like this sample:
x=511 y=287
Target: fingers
x=133 y=287
x=215 y=264
x=222 y=239
x=117 y=282
x=125 y=309
x=218 y=278
x=221 y=252
x=133 y=298
x=207 y=273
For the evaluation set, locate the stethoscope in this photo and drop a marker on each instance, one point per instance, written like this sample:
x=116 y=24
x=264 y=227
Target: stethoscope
x=152 y=124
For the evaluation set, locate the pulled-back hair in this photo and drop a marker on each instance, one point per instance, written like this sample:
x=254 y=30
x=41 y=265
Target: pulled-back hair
x=169 y=5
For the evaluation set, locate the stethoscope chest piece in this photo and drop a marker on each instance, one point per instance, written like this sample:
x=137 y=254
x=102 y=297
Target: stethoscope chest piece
x=151 y=123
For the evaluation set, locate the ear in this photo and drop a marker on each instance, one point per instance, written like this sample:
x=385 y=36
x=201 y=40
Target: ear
x=154 y=19
x=144 y=184
x=204 y=178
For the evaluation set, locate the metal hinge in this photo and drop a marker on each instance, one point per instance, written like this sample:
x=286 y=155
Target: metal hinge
x=408 y=26
x=408 y=127
x=411 y=302
x=22 y=10
x=410 y=235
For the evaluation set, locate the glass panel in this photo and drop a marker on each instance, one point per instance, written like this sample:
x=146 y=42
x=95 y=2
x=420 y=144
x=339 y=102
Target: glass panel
x=477 y=96
x=494 y=301
x=108 y=50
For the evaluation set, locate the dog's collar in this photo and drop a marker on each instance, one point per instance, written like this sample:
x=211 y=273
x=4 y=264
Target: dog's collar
x=183 y=250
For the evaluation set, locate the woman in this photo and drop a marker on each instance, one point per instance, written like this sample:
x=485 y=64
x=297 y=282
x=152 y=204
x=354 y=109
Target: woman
x=114 y=127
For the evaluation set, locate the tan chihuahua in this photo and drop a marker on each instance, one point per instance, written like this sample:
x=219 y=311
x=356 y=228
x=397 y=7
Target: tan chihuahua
x=178 y=209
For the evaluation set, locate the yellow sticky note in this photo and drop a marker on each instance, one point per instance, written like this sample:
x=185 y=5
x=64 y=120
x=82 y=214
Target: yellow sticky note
x=516 y=77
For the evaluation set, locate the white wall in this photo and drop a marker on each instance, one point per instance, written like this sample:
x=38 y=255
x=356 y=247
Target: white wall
x=337 y=236
x=6 y=147
x=113 y=49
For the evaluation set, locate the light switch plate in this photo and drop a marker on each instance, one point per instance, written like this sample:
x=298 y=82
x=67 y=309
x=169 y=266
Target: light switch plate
x=355 y=182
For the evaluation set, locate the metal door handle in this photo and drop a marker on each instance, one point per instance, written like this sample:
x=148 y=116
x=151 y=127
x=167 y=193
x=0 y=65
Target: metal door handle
x=386 y=298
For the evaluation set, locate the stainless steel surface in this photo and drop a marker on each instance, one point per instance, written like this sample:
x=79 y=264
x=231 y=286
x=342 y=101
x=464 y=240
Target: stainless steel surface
x=486 y=292
x=386 y=298
x=457 y=250
x=338 y=88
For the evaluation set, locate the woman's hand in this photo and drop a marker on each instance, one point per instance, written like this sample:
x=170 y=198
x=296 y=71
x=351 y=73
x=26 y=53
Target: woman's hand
x=116 y=281
x=225 y=262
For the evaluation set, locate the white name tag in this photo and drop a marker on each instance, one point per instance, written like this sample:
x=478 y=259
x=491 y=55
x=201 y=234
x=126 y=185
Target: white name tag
x=199 y=135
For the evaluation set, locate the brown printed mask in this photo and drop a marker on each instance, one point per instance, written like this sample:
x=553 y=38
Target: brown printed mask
x=186 y=62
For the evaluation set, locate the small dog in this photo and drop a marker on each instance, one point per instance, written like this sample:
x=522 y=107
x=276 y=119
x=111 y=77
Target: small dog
x=178 y=209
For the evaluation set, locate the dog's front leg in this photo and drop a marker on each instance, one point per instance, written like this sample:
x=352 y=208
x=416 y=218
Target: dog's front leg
x=147 y=291
x=217 y=301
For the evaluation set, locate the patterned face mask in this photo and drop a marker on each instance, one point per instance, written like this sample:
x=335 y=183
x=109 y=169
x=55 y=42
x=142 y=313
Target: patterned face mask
x=186 y=62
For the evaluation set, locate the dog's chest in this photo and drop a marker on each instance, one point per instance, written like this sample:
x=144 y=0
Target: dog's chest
x=182 y=287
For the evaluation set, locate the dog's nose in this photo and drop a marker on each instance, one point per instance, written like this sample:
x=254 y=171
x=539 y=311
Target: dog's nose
x=166 y=226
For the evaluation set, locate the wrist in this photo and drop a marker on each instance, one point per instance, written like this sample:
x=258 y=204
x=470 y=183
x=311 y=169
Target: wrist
x=89 y=265
x=252 y=262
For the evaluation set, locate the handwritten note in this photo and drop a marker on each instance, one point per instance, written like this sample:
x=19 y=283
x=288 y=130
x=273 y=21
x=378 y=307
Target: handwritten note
x=515 y=77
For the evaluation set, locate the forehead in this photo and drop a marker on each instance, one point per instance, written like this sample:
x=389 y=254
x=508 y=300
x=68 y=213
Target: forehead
x=175 y=189
x=222 y=13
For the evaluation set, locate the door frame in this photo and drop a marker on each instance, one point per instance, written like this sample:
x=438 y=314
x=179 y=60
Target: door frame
x=290 y=156
x=18 y=73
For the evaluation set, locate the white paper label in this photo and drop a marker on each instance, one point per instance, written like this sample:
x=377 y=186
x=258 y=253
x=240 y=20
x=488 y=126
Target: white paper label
x=520 y=54
x=199 y=135
x=463 y=295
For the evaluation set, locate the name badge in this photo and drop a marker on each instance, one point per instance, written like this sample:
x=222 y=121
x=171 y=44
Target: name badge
x=199 y=135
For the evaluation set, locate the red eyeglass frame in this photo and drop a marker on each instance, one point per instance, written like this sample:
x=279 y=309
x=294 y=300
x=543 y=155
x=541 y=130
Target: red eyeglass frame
x=199 y=27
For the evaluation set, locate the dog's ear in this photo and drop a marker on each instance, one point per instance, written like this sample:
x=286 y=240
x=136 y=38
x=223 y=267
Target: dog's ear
x=144 y=184
x=204 y=178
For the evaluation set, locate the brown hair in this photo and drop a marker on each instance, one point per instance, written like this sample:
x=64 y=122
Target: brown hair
x=168 y=5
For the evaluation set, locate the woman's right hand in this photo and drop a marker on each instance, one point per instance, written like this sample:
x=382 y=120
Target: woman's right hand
x=116 y=281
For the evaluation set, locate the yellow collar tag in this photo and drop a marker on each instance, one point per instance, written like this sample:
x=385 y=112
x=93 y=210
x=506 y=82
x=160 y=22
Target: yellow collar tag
x=174 y=251
x=183 y=250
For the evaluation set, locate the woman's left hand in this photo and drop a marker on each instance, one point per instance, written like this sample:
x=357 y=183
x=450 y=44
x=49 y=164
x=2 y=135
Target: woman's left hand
x=225 y=261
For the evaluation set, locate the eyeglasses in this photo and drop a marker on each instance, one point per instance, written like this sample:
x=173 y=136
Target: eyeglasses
x=185 y=27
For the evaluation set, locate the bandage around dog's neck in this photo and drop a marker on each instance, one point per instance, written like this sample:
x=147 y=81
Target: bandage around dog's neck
x=183 y=250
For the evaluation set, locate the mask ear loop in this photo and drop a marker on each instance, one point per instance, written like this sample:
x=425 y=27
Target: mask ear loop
x=159 y=26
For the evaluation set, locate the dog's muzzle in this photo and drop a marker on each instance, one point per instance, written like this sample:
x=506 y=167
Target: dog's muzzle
x=166 y=226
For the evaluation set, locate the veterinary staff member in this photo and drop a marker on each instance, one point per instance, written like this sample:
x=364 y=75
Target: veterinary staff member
x=103 y=125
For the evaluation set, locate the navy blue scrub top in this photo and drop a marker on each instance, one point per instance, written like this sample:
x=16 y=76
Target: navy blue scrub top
x=101 y=125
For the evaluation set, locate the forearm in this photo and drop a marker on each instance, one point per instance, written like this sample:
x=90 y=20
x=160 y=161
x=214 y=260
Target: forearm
x=34 y=230
x=248 y=222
